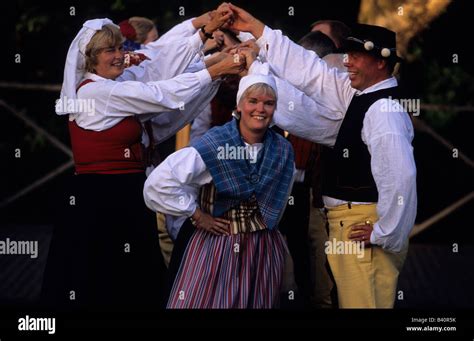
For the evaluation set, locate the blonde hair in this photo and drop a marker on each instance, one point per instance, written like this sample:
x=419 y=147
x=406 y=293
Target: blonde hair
x=142 y=27
x=258 y=88
x=108 y=36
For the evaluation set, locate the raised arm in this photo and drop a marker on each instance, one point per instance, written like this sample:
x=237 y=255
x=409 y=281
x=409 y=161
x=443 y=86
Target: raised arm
x=169 y=123
x=166 y=61
x=171 y=56
x=130 y=97
x=300 y=67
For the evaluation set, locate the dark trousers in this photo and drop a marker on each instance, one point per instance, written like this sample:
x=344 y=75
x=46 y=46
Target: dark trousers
x=294 y=225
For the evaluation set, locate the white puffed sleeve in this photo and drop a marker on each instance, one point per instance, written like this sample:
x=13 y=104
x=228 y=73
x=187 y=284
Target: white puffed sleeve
x=173 y=187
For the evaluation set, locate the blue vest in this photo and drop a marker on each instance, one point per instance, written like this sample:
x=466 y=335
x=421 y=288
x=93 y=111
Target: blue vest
x=238 y=178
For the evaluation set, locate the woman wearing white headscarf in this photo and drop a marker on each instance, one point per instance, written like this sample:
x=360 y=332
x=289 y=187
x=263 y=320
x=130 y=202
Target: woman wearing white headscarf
x=107 y=255
x=233 y=183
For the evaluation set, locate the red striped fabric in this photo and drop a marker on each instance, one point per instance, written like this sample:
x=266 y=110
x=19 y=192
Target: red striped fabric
x=238 y=271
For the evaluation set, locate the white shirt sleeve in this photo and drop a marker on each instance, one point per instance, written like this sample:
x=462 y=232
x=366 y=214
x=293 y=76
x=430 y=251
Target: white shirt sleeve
x=306 y=71
x=301 y=116
x=388 y=136
x=169 y=123
x=167 y=60
x=114 y=100
x=184 y=29
x=197 y=64
x=173 y=187
x=244 y=36
x=201 y=124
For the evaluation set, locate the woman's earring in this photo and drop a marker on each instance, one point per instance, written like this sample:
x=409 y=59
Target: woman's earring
x=236 y=114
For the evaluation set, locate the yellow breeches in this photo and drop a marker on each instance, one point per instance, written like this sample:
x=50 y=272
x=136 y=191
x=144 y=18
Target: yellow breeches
x=366 y=277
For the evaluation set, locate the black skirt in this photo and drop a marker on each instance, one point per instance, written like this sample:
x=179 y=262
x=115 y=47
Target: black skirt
x=105 y=252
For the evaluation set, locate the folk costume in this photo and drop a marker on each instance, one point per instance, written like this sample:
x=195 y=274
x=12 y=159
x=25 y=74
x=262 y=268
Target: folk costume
x=243 y=269
x=106 y=254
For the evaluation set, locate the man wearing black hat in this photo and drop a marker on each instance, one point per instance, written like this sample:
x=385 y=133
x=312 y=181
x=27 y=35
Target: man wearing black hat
x=369 y=186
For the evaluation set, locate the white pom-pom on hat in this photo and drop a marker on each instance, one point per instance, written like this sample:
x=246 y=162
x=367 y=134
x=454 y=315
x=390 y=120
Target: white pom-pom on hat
x=368 y=45
x=385 y=52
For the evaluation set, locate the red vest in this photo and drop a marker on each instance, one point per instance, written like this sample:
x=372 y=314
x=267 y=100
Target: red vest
x=303 y=149
x=116 y=150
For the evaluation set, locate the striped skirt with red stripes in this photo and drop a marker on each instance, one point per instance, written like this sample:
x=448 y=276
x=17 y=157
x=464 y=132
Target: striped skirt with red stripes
x=238 y=271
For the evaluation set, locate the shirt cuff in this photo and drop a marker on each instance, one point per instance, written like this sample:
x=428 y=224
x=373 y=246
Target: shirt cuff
x=255 y=67
x=196 y=66
x=262 y=42
x=262 y=55
x=384 y=243
x=244 y=36
x=204 y=77
x=189 y=25
x=192 y=208
x=373 y=238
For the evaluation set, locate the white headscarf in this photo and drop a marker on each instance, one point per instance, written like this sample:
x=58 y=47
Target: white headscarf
x=75 y=61
x=252 y=79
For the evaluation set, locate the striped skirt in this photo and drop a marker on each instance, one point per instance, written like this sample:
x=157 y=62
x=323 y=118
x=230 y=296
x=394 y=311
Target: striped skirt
x=238 y=271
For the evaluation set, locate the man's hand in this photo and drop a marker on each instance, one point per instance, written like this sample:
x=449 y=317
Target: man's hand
x=361 y=233
x=245 y=22
x=216 y=226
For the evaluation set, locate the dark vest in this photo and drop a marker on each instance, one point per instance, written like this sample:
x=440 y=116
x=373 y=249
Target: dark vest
x=346 y=168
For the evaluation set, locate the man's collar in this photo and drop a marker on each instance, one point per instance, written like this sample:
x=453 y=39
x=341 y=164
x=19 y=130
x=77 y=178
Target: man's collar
x=385 y=84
